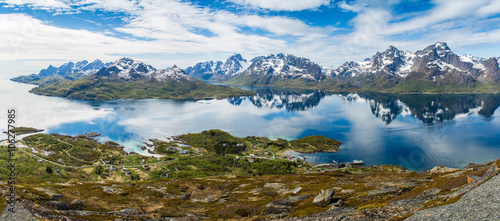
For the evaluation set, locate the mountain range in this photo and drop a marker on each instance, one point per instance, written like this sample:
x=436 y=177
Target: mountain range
x=67 y=71
x=433 y=69
x=130 y=79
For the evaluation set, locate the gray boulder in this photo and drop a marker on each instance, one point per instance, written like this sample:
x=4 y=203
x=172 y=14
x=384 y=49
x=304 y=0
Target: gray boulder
x=338 y=204
x=58 y=205
x=76 y=204
x=324 y=198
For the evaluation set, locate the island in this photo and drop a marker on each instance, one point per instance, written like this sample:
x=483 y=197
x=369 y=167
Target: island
x=24 y=130
x=130 y=79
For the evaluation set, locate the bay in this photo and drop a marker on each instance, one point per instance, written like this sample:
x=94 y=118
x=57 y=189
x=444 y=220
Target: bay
x=413 y=131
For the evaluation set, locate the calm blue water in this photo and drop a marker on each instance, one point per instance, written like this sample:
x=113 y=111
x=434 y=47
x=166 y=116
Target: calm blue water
x=413 y=131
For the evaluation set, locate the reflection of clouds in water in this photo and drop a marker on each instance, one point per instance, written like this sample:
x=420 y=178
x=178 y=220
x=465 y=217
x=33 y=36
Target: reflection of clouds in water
x=365 y=131
x=43 y=112
x=177 y=119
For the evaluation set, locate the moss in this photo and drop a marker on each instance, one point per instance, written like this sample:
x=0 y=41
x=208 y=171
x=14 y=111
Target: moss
x=371 y=206
x=438 y=202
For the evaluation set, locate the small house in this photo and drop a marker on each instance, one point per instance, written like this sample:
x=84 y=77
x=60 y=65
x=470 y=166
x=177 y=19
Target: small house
x=250 y=160
x=183 y=151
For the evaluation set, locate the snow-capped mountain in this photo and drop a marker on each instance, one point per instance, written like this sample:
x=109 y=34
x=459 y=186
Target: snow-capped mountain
x=128 y=68
x=392 y=61
x=435 y=63
x=80 y=69
x=438 y=59
x=217 y=70
x=390 y=70
x=285 y=66
x=171 y=73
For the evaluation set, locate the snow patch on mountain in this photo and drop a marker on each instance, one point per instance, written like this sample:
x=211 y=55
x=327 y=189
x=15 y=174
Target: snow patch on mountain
x=171 y=73
x=80 y=68
x=476 y=61
x=128 y=68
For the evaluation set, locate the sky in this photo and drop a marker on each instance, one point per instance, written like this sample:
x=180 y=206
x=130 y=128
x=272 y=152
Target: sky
x=37 y=33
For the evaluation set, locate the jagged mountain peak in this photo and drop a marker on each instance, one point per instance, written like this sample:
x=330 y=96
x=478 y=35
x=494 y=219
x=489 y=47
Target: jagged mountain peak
x=439 y=49
x=285 y=66
x=171 y=73
x=236 y=56
x=128 y=68
x=77 y=70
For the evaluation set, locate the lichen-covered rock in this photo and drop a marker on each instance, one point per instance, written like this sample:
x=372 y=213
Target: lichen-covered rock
x=324 y=198
x=76 y=204
x=338 y=204
x=58 y=205
x=442 y=169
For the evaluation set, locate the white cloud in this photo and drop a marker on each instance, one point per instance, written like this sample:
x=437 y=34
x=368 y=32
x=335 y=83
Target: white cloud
x=283 y=5
x=109 y=5
x=493 y=7
x=44 y=4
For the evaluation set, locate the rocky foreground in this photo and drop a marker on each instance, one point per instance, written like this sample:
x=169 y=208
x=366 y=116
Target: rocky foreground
x=375 y=193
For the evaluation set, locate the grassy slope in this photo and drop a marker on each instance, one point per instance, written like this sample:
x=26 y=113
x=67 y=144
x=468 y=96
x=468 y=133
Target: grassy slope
x=99 y=88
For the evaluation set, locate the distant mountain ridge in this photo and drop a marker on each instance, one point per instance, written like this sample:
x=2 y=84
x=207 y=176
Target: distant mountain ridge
x=83 y=68
x=433 y=69
x=67 y=71
x=218 y=70
x=128 y=68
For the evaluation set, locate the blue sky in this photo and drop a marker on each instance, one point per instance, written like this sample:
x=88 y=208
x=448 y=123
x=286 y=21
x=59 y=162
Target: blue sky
x=36 y=33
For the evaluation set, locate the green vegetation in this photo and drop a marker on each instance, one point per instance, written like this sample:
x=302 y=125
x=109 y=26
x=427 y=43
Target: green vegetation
x=101 y=88
x=218 y=183
x=224 y=143
x=25 y=130
x=315 y=144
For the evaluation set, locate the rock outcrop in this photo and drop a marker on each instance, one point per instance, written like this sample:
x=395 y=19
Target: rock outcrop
x=324 y=198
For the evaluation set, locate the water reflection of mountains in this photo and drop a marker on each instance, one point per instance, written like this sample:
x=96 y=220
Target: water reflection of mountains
x=290 y=100
x=427 y=108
